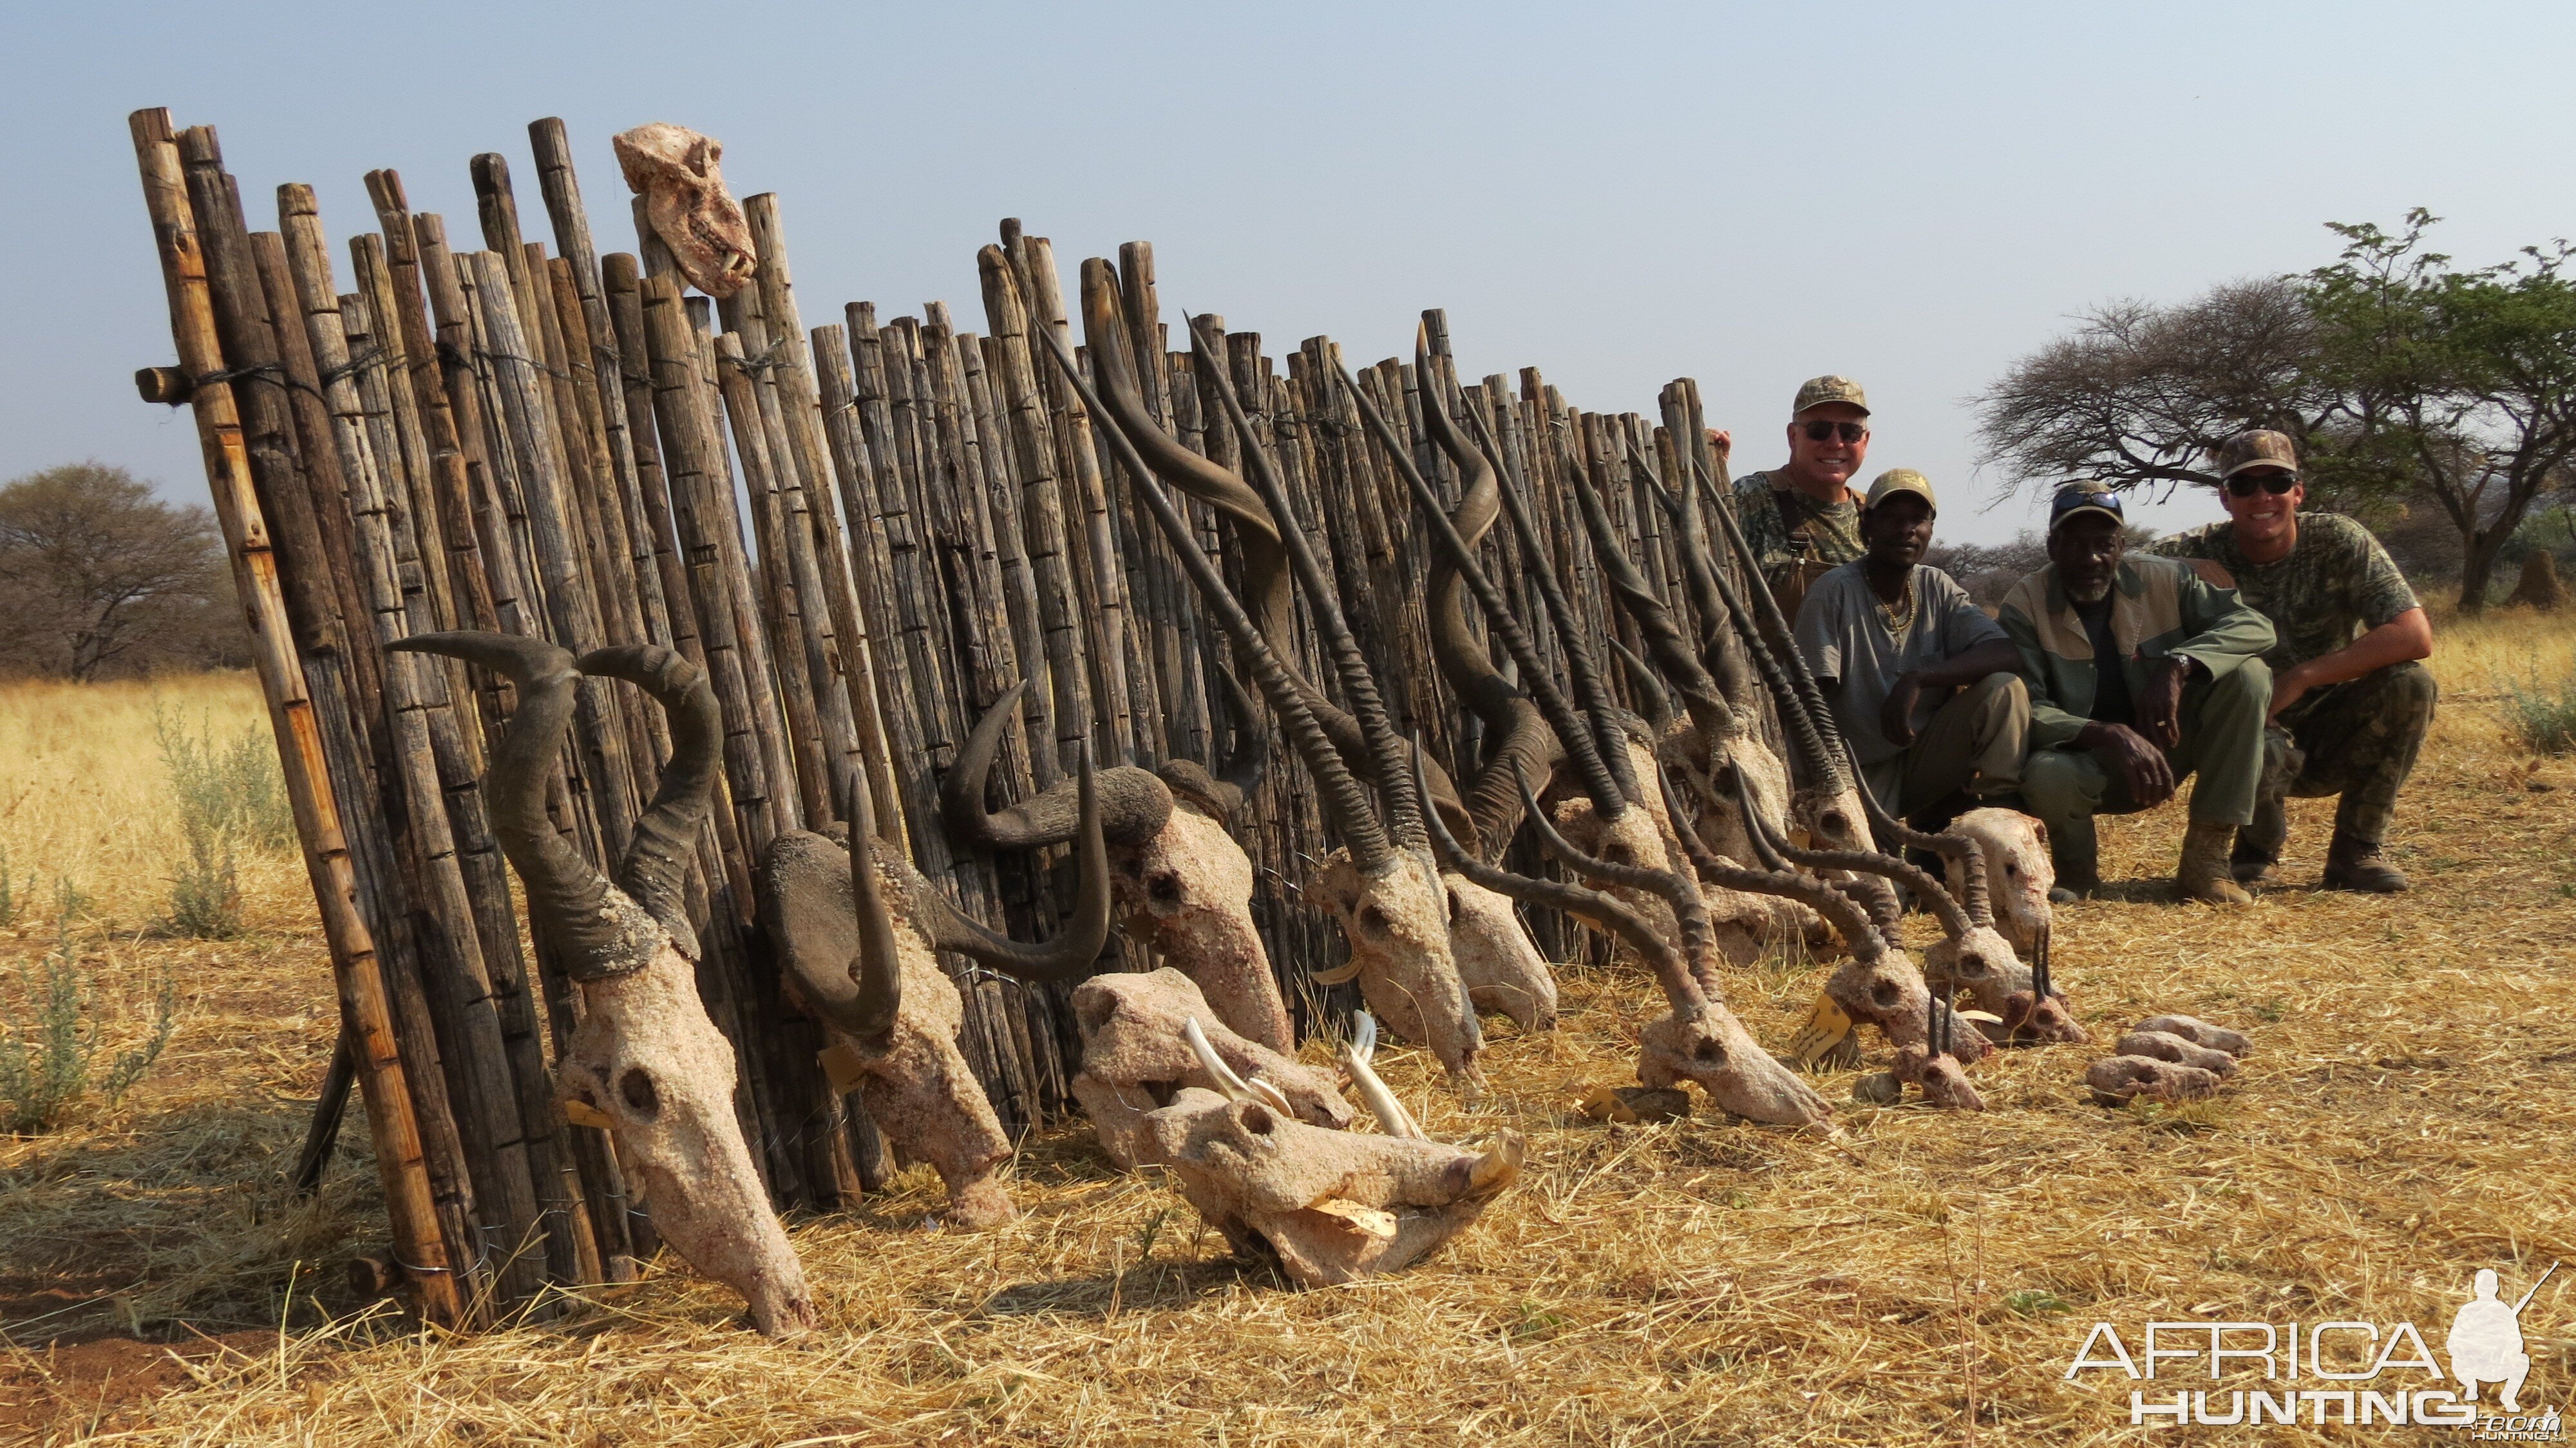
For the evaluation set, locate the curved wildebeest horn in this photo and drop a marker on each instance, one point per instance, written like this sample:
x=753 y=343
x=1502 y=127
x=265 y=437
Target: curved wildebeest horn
x=1404 y=805
x=1602 y=912
x=599 y=934
x=1344 y=801
x=1663 y=638
x=1076 y=946
x=1133 y=802
x=656 y=869
x=1599 y=778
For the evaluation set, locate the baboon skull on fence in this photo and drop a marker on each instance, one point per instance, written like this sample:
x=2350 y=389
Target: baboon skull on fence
x=674 y=170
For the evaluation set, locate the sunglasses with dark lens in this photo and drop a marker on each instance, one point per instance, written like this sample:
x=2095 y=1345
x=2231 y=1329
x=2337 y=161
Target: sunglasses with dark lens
x=1850 y=431
x=2243 y=484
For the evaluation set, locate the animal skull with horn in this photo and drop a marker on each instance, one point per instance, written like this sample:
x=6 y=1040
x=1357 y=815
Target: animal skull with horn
x=645 y=1055
x=1328 y=1206
x=1382 y=886
x=856 y=931
x=1136 y=1057
x=1183 y=885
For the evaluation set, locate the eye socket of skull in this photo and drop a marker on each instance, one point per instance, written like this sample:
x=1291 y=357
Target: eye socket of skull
x=1618 y=853
x=1834 y=822
x=1885 y=995
x=1372 y=921
x=1256 y=1119
x=1164 y=888
x=637 y=1087
x=1710 y=1050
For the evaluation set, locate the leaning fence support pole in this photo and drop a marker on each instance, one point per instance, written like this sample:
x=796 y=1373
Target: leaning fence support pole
x=363 y=1006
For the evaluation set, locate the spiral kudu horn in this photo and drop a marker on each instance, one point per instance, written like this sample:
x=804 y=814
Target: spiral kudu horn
x=599 y=931
x=1396 y=780
x=1133 y=802
x=1344 y=801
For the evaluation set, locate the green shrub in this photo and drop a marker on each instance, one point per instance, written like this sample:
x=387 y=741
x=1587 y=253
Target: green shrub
x=49 y=1040
x=2544 y=721
x=205 y=896
x=229 y=794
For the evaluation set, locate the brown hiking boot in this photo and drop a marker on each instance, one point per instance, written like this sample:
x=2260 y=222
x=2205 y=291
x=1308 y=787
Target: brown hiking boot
x=2074 y=854
x=2203 y=874
x=2251 y=864
x=2353 y=863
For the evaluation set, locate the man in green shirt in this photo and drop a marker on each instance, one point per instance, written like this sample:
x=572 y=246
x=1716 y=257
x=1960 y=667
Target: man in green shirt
x=2140 y=672
x=2350 y=702
x=1801 y=518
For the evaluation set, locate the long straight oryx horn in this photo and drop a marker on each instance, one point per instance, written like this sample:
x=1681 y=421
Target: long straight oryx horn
x=1599 y=776
x=1395 y=780
x=599 y=931
x=1344 y=801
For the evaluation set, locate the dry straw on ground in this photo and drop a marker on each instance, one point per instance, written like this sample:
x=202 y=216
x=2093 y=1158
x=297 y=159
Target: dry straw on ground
x=2405 y=1119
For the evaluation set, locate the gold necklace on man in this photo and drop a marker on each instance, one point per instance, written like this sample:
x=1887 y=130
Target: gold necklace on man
x=1900 y=614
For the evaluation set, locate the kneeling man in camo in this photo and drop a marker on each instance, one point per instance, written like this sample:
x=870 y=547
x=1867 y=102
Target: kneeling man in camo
x=2350 y=704
x=2140 y=671
x=1922 y=683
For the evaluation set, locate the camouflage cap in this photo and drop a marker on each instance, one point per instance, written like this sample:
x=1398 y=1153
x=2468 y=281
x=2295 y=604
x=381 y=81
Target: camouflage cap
x=1817 y=391
x=2084 y=495
x=1901 y=480
x=2257 y=448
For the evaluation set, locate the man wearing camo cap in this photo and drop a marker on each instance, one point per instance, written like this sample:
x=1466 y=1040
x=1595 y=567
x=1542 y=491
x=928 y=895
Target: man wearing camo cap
x=2350 y=702
x=1800 y=518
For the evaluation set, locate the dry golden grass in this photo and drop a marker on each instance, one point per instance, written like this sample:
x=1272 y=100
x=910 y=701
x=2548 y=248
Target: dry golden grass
x=2405 y=1118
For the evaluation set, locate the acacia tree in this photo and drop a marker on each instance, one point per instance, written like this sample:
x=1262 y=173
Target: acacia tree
x=2460 y=383
x=98 y=575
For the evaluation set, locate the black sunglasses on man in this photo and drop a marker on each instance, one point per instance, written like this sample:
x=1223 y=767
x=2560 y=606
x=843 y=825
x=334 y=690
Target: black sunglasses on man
x=1820 y=430
x=2274 y=482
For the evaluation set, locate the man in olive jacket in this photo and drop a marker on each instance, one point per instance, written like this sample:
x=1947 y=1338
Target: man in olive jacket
x=2140 y=672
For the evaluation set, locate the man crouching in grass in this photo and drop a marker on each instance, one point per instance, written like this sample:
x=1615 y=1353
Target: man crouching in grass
x=2350 y=704
x=1922 y=683
x=2140 y=671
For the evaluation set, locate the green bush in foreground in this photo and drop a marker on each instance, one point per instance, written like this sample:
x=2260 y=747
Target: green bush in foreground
x=2543 y=720
x=49 y=1038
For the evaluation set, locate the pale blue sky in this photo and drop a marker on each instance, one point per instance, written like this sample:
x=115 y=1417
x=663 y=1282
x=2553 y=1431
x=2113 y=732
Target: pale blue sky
x=1617 y=194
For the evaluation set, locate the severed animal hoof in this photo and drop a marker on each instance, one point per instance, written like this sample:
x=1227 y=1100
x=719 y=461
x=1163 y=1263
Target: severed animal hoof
x=2177 y=1050
x=2117 y=1079
x=1944 y=1082
x=2030 y=1021
x=2200 y=1033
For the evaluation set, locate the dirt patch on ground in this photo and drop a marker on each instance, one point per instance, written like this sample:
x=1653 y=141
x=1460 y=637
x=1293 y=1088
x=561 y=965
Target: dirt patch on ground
x=106 y=1384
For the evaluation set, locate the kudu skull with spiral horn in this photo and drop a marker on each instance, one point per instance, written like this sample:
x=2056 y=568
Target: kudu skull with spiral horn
x=1382 y=886
x=857 y=930
x=645 y=1055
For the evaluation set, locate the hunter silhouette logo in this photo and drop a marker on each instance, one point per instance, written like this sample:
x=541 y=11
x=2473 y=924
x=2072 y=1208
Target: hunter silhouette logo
x=2344 y=1372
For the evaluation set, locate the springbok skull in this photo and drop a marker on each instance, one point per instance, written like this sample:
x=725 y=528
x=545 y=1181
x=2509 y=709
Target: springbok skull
x=644 y=1055
x=856 y=934
x=1136 y=1055
x=2019 y=874
x=1183 y=886
x=674 y=170
x=1328 y=1206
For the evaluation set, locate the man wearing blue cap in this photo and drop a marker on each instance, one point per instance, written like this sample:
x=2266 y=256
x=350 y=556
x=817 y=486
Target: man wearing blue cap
x=2140 y=671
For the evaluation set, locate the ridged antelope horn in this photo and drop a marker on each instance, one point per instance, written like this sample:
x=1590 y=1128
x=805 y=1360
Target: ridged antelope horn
x=1690 y=910
x=1793 y=686
x=570 y=903
x=1356 y=1059
x=1672 y=653
x=1600 y=778
x=655 y=871
x=1344 y=801
x=1651 y=693
x=1772 y=849
x=1073 y=950
x=1395 y=780
x=1133 y=802
x=1602 y=912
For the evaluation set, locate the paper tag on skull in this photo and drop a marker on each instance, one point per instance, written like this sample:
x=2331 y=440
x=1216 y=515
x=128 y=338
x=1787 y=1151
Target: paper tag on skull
x=844 y=1067
x=1824 y=1036
x=582 y=1113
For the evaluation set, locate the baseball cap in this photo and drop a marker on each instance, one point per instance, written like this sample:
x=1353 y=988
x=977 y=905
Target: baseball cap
x=2257 y=448
x=2084 y=496
x=1901 y=480
x=1816 y=391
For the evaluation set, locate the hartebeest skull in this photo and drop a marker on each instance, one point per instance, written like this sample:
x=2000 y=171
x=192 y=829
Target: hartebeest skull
x=1136 y=1055
x=1183 y=886
x=674 y=170
x=1328 y=1206
x=645 y=1055
x=856 y=931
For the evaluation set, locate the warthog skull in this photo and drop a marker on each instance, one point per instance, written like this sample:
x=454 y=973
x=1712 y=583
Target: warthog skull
x=1136 y=1056
x=1328 y=1206
x=674 y=170
x=645 y=1055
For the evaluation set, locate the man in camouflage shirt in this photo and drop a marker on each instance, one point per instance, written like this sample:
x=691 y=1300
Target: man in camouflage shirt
x=2350 y=702
x=1801 y=519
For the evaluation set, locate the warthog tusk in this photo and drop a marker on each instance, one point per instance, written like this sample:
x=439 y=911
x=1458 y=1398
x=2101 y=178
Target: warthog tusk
x=1390 y=1113
x=1226 y=1081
